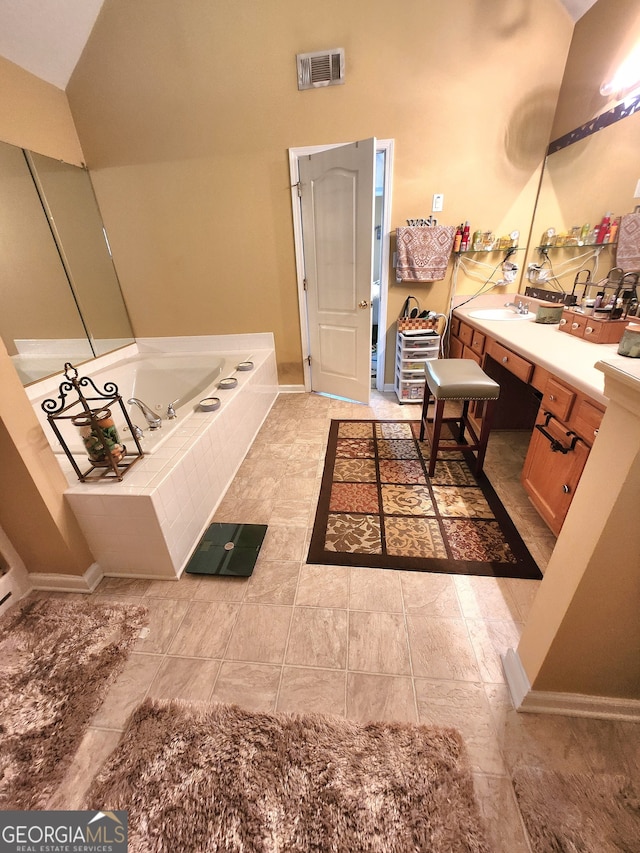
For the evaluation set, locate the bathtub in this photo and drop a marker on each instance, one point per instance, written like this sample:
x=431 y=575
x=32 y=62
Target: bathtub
x=157 y=379
x=148 y=524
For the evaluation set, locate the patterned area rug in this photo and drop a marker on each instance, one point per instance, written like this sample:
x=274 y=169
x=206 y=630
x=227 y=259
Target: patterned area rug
x=379 y=508
x=198 y=778
x=57 y=660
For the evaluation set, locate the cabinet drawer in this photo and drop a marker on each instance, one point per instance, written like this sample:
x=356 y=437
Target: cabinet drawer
x=477 y=342
x=517 y=365
x=586 y=419
x=469 y=353
x=558 y=399
x=465 y=333
x=539 y=378
x=597 y=333
x=573 y=323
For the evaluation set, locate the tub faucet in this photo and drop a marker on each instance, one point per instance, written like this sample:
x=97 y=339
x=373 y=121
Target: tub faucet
x=520 y=308
x=154 y=421
x=171 y=412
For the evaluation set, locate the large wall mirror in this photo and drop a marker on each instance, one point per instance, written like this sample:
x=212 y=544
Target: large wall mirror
x=60 y=298
x=580 y=183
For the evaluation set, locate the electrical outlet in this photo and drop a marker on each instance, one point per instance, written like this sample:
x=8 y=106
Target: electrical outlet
x=636 y=193
x=438 y=202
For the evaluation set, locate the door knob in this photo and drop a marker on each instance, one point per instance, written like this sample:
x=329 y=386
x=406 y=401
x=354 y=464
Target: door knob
x=363 y=304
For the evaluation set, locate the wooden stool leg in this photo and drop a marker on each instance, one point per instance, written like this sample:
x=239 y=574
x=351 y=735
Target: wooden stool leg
x=463 y=421
x=425 y=406
x=487 y=420
x=435 y=436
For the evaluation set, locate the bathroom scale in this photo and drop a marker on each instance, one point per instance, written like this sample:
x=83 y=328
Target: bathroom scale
x=227 y=549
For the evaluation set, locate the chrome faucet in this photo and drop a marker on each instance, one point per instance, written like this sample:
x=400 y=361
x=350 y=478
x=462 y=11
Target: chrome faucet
x=154 y=421
x=171 y=412
x=520 y=308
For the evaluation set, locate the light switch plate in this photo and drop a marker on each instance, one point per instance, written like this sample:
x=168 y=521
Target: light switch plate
x=438 y=202
x=637 y=192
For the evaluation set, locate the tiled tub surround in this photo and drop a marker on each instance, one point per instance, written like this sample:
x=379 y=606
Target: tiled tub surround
x=147 y=525
x=157 y=379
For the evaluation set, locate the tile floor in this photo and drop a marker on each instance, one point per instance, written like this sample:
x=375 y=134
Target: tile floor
x=361 y=643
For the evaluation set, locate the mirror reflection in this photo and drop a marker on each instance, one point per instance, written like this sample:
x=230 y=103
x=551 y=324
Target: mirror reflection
x=580 y=184
x=59 y=292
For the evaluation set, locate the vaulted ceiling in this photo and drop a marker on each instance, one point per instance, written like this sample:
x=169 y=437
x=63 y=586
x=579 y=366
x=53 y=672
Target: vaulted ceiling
x=47 y=37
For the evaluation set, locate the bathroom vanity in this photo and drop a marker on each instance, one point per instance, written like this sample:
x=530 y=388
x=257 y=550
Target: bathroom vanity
x=549 y=384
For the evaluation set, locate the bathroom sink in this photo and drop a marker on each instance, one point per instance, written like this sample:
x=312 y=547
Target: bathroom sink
x=500 y=314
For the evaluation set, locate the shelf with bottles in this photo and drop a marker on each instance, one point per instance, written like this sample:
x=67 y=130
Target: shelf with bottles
x=465 y=243
x=544 y=249
x=489 y=251
x=582 y=236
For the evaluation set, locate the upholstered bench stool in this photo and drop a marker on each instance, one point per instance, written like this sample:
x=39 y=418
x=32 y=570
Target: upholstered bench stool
x=457 y=379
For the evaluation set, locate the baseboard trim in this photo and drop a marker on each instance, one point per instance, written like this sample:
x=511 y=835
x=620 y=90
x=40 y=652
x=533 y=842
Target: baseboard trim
x=516 y=677
x=68 y=583
x=530 y=701
x=291 y=389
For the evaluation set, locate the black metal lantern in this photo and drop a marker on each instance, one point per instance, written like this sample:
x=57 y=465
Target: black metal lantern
x=92 y=415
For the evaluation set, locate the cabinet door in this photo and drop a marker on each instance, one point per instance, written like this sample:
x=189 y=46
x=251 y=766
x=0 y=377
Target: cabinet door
x=551 y=477
x=455 y=348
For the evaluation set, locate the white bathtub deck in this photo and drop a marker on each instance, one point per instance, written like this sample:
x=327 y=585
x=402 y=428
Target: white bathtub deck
x=148 y=524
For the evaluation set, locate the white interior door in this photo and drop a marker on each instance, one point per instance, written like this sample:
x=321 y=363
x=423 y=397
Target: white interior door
x=337 y=202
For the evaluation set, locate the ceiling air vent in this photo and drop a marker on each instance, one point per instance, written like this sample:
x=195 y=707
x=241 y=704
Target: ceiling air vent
x=322 y=68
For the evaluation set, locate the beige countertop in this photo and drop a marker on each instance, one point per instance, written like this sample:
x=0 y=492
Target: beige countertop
x=564 y=355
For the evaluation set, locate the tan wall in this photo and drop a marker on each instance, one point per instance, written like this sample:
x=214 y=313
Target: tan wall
x=33 y=512
x=186 y=111
x=36 y=115
x=602 y=39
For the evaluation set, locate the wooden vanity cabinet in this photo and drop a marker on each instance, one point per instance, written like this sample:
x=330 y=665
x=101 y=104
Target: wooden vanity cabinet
x=566 y=418
x=466 y=342
x=566 y=426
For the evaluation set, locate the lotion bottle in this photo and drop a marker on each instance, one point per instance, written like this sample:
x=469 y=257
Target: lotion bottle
x=466 y=231
x=457 y=240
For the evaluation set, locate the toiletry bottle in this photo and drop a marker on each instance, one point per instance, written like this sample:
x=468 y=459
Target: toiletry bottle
x=584 y=233
x=604 y=226
x=457 y=240
x=466 y=231
x=476 y=243
x=599 y=298
x=613 y=231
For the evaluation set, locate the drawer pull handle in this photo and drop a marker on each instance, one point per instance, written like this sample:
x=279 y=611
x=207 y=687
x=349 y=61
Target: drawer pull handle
x=563 y=322
x=504 y=359
x=575 y=325
x=551 y=397
x=589 y=330
x=556 y=445
x=566 y=489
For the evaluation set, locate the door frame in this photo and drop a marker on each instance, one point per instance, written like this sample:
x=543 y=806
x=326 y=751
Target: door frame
x=295 y=154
